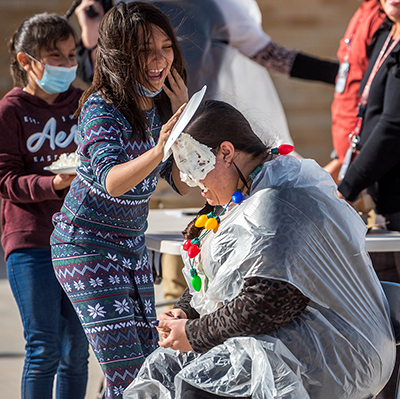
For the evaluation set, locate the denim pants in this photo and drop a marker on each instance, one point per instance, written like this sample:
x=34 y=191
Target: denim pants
x=55 y=341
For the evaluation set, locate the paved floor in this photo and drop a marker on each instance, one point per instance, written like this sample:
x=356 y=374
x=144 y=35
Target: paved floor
x=12 y=344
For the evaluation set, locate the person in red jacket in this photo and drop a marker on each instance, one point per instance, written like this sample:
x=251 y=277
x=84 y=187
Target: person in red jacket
x=37 y=126
x=352 y=54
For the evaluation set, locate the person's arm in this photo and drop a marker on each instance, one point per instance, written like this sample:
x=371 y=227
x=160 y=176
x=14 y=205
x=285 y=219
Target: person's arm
x=263 y=305
x=295 y=64
x=379 y=154
x=122 y=177
x=184 y=304
x=86 y=50
x=89 y=25
x=16 y=184
x=243 y=22
x=311 y=68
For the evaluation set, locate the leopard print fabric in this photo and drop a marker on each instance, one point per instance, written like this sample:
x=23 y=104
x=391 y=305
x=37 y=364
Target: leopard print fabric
x=184 y=304
x=276 y=58
x=263 y=305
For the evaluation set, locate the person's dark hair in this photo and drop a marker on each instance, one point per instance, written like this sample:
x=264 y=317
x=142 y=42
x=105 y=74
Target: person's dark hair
x=217 y=121
x=213 y=123
x=118 y=67
x=40 y=31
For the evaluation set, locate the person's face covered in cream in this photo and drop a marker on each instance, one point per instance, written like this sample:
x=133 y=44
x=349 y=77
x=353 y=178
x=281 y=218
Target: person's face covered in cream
x=194 y=160
x=200 y=167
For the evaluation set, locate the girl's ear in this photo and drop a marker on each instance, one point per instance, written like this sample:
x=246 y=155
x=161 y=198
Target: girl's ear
x=24 y=61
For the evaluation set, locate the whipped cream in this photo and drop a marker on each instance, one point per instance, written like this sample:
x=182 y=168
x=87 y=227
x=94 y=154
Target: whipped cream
x=66 y=161
x=193 y=159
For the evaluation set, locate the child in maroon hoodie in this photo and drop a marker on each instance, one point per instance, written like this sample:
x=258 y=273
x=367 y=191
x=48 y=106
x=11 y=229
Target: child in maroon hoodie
x=37 y=126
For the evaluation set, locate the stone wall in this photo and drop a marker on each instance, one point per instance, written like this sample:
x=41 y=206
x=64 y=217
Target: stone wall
x=313 y=26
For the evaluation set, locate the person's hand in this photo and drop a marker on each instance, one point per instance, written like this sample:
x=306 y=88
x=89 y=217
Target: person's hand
x=62 y=181
x=173 y=314
x=177 y=338
x=179 y=92
x=333 y=168
x=340 y=195
x=167 y=128
x=89 y=26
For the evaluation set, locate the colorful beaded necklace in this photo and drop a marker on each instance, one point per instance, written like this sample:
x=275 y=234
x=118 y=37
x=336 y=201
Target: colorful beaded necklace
x=211 y=221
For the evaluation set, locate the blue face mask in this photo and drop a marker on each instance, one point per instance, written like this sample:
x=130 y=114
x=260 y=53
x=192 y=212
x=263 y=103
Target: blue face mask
x=56 y=79
x=148 y=93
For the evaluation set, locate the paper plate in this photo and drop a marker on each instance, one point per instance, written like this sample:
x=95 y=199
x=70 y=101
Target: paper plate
x=183 y=120
x=66 y=170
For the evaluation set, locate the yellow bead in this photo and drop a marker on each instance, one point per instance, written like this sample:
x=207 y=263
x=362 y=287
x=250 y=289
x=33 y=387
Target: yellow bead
x=211 y=224
x=201 y=221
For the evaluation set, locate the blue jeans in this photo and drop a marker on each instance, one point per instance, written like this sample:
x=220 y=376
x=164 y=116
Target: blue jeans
x=55 y=341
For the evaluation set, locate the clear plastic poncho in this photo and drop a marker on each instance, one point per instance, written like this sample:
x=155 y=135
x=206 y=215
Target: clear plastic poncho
x=294 y=228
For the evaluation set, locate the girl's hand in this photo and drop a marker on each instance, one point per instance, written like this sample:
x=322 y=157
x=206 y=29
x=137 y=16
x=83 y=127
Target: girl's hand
x=177 y=338
x=179 y=92
x=167 y=128
x=62 y=181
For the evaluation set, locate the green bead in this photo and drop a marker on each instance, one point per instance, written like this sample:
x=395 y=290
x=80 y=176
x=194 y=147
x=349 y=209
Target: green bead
x=196 y=283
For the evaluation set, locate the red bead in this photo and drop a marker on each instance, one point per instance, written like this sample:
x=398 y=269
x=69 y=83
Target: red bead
x=285 y=149
x=187 y=245
x=193 y=251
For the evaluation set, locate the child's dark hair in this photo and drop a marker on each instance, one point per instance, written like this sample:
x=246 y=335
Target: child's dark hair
x=118 y=68
x=40 y=31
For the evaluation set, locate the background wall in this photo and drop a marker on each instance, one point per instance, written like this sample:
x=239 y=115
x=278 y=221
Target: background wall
x=312 y=26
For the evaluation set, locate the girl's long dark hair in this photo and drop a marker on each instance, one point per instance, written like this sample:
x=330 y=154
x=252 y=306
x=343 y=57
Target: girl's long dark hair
x=123 y=34
x=40 y=31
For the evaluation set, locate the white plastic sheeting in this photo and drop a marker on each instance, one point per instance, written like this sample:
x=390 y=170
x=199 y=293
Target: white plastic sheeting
x=294 y=228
